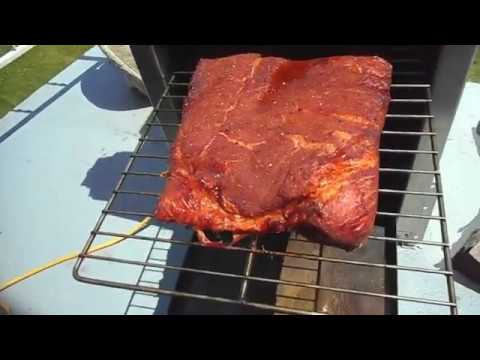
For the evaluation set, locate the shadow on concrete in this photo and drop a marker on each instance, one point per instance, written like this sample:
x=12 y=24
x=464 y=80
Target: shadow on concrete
x=465 y=281
x=102 y=178
x=106 y=87
x=102 y=84
x=32 y=113
x=174 y=256
x=476 y=137
x=104 y=174
x=466 y=232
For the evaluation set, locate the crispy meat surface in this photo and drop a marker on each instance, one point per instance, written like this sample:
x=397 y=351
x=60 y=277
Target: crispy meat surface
x=269 y=145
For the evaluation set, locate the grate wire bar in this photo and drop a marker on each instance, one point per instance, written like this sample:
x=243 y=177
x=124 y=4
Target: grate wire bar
x=252 y=250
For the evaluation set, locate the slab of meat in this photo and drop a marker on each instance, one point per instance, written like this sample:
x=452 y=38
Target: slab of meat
x=270 y=145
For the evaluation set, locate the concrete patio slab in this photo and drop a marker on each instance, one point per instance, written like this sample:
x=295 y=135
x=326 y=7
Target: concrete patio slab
x=48 y=144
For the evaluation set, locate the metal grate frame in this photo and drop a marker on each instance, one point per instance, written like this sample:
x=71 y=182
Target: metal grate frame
x=167 y=115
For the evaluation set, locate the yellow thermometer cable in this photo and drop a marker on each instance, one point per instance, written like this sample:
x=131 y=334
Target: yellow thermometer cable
x=112 y=241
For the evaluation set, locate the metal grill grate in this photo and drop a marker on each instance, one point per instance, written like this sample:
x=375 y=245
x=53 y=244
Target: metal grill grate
x=150 y=158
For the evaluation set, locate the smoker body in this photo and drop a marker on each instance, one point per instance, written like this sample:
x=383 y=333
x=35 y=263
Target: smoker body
x=428 y=81
x=443 y=67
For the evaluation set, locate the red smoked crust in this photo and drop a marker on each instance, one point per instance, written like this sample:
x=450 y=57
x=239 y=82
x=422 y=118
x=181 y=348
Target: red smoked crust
x=270 y=145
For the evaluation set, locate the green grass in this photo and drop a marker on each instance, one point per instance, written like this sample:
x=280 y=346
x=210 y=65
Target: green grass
x=4 y=49
x=474 y=73
x=22 y=77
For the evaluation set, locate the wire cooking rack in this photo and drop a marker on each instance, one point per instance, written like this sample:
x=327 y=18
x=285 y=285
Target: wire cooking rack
x=131 y=201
